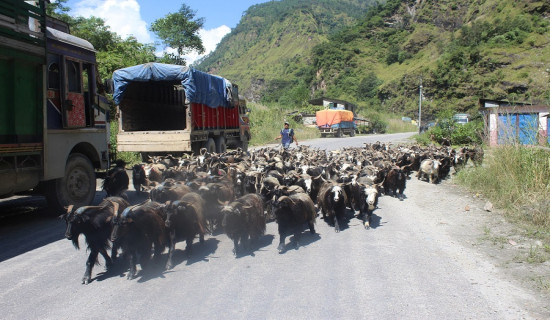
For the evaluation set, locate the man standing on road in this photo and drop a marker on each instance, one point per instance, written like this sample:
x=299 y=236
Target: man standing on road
x=287 y=136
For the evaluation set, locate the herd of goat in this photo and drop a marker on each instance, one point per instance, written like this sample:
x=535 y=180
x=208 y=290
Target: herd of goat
x=237 y=193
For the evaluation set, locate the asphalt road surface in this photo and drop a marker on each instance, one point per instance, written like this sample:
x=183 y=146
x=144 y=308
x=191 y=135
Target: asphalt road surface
x=416 y=262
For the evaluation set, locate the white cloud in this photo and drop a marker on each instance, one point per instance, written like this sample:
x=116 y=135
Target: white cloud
x=122 y=16
x=210 y=39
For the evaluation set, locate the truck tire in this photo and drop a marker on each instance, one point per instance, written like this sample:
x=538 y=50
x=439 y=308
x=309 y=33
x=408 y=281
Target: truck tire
x=221 y=146
x=196 y=148
x=244 y=143
x=338 y=133
x=323 y=135
x=352 y=133
x=210 y=145
x=77 y=187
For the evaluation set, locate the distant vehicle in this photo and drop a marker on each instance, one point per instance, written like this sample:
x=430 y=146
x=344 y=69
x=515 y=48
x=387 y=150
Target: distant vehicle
x=335 y=122
x=461 y=118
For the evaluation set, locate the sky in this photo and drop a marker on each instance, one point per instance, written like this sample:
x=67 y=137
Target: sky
x=134 y=17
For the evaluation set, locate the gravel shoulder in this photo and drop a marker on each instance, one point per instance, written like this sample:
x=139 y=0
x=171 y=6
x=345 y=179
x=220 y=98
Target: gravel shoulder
x=484 y=243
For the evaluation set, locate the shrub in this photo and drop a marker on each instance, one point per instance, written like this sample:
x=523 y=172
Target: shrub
x=515 y=178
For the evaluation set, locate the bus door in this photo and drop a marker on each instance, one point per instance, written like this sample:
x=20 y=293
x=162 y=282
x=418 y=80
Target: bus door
x=73 y=105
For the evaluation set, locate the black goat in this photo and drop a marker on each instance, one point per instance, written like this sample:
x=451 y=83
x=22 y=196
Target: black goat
x=291 y=213
x=137 y=229
x=395 y=180
x=243 y=219
x=184 y=220
x=116 y=181
x=95 y=222
x=138 y=177
x=332 y=201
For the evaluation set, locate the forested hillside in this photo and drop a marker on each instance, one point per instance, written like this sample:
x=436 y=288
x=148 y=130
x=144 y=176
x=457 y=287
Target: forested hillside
x=273 y=42
x=460 y=51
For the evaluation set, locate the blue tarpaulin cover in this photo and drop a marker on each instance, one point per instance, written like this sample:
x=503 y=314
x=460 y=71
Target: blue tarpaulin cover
x=200 y=87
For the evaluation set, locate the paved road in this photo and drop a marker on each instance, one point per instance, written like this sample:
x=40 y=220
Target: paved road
x=411 y=265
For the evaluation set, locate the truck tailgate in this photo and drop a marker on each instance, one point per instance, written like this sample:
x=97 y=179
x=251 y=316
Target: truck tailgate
x=154 y=141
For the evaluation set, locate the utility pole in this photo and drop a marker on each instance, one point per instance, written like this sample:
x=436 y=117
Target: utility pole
x=420 y=108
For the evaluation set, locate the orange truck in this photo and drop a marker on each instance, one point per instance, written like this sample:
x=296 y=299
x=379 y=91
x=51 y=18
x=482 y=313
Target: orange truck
x=335 y=122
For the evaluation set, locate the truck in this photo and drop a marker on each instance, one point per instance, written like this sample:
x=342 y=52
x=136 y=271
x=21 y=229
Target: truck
x=335 y=122
x=165 y=108
x=461 y=118
x=54 y=129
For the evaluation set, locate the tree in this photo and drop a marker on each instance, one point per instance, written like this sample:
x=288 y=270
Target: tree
x=94 y=30
x=58 y=10
x=123 y=53
x=179 y=30
x=368 y=87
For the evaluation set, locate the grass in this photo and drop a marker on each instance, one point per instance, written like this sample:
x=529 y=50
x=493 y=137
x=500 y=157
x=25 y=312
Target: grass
x=396 y=125
x=267 y=122
x=516 y=179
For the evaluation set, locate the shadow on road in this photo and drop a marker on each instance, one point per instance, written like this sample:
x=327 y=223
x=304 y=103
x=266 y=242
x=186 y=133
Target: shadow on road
x=26 y=224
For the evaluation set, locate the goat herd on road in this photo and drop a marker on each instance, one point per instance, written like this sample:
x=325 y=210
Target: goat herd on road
x=237 y=193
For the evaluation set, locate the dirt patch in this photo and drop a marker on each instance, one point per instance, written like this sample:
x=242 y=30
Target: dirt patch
x=523 y=259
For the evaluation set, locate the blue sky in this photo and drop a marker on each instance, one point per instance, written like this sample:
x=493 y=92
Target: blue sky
x=133 y=17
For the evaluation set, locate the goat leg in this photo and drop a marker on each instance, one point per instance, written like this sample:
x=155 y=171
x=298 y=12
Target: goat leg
x=281 y=246
x=132 y=272
x=108 y=260
x=311 y=227
x=92 y=258
x=236 y=246
x=336 y=225
x=171 y=248
x=297 y=235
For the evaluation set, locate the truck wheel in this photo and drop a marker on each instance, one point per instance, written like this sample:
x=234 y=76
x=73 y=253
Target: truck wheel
x=77 y=187
x=352 y=133
x=323 y=135
x=210 y=145
x=196 y=148
x=221 y=147
x=244 y=143
x=338 y=133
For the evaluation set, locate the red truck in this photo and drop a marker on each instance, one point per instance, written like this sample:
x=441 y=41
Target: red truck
x=167 y=108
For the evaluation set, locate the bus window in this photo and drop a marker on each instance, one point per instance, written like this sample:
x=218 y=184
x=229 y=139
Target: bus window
x=73 y=76
x=53 y=76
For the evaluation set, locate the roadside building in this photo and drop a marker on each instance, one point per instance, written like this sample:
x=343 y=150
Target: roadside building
x=513 y=123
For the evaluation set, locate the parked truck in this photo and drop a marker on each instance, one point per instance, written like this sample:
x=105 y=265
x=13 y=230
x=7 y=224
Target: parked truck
x=53 y=125
x=167 y=108
x=335 y=122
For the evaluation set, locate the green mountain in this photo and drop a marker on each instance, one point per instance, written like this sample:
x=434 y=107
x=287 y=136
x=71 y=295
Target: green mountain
x=378 y=55
x=274 y=39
